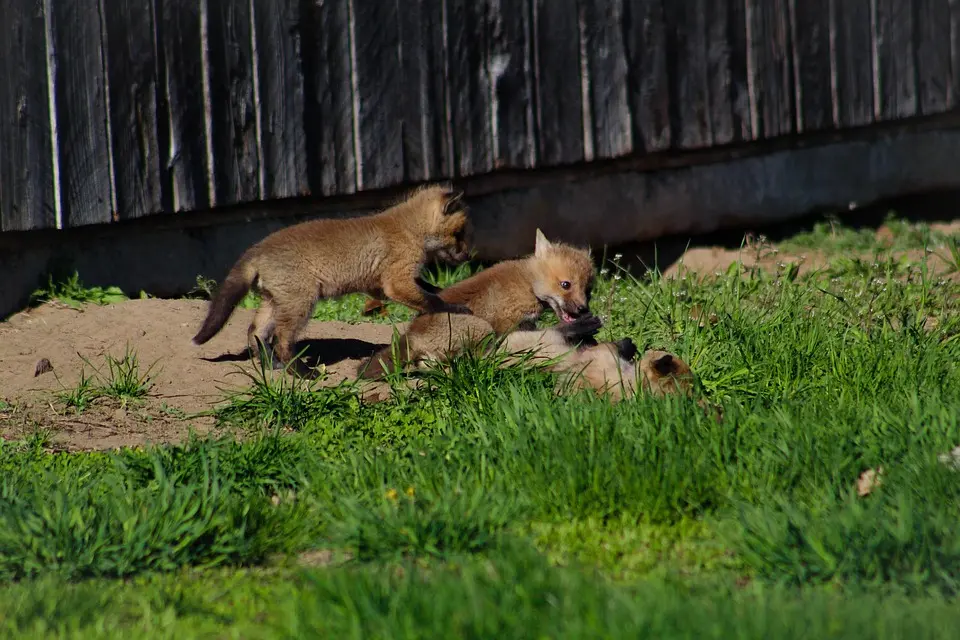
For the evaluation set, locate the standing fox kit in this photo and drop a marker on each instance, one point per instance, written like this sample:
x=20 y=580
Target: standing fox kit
x=381 y=255
x=513 y=293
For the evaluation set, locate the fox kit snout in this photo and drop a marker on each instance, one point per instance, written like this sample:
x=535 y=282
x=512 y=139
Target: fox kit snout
x=381 y=255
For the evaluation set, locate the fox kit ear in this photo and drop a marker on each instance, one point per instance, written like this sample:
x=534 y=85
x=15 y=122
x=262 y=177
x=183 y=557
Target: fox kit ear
x=453 y=201
x=542 y=245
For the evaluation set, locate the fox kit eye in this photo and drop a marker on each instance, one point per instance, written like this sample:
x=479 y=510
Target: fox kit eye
x=564 y=284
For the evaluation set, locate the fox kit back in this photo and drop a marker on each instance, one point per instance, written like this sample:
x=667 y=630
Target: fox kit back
x=514 y=293
x=380 y=255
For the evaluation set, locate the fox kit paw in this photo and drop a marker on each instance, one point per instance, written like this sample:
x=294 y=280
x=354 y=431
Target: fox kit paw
x=581 y=328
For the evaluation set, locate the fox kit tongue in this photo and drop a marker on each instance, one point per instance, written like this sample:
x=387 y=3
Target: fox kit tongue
x=566 y=317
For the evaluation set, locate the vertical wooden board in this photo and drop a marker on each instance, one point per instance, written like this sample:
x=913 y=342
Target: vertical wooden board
x=425 y=30
x=328 y=96
x=233 y=115
x=895 y=55
x=955 y=52
x=468 y=39
x=417 y=110
x=181 y=44
x=284 y=154
x=719 y=71
x=935 y=79
x=744 y=126
x=612 y=125
x=811 y=26
x=509 y=61
x=27 y=199
x=853 y=50
x=379 y=88
x=559 y=107
x=771 y=64
x=648 y=83
x=81 y=101
x=132 y=71
x=686 y=43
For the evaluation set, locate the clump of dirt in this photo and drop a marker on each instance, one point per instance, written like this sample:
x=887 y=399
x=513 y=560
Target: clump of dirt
x=187 y=379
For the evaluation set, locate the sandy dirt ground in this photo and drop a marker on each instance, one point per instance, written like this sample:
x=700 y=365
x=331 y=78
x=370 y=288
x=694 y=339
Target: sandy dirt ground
x=188 y=379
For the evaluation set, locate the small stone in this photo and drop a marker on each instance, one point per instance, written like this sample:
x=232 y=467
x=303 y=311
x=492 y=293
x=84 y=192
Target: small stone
x=43 y=366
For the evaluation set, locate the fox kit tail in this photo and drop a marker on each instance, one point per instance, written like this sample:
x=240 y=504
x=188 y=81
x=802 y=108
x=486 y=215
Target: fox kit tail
x=231 y=292
x=385 y=360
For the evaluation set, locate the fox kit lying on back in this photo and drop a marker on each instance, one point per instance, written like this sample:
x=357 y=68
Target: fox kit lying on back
x=381 y=255
x=514 y=293
x=567 y=349
x=437 y=336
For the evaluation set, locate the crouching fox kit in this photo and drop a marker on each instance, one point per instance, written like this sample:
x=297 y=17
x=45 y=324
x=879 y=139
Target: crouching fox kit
x=567 y=349
x=513 y=293
x=381 y=255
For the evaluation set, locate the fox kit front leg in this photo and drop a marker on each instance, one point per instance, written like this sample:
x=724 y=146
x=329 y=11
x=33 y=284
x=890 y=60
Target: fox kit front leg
x=407 y=292
x=377 y=304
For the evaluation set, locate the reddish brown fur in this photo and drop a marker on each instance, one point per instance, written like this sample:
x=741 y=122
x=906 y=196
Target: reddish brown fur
x=381 y=255
x=513 y=293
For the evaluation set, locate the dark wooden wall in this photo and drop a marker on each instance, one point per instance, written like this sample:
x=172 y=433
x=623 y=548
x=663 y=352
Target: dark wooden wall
x=118 y=109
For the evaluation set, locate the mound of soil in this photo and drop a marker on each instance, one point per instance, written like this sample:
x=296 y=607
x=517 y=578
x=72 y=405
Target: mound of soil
x=188 y=379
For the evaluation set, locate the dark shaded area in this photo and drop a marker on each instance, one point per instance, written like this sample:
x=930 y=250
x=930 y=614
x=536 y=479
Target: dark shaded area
x=941 y=206
x=316 y=352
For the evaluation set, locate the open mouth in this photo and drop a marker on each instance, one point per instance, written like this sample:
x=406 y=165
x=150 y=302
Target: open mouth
x=566 y=317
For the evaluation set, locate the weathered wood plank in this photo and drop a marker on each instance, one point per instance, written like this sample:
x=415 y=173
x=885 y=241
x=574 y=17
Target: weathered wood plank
x=770 y=59
x=854 y=62
x=183 y=70
x=559 y=106
x=934 y=74
x=380 y=88
x=611 y=121
x=509 y=60
x=719 y=71
x=418 y=113
x=744 y=126
x=328 y=96
x=687 y=51
x=284 y=154
x=811 y=29
x=424 y=30
x=233 y=115
x=27 y=199
x=895 y=55
x=649 y=86
x=955 y=51
x=81 y=99
x=133 y=74
x=468 y=39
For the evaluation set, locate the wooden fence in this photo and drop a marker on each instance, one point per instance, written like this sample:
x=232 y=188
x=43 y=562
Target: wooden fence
x=117 y=109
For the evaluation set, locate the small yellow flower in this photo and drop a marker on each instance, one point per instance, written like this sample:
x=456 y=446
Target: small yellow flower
x=392 y=494
x=409 y=492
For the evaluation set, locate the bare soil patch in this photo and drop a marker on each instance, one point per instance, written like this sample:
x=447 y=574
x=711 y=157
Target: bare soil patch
x=187 y=379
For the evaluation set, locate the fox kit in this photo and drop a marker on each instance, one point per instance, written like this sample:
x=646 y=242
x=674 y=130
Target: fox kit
x=381 y=255
x=437 y=336
x=569 y=350
x=513 y=293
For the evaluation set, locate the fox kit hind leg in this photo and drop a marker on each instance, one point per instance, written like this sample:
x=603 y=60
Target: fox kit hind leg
x=261 y=331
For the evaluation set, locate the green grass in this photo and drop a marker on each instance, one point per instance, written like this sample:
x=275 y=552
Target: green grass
x=122 y=380
x=71 y=291
x=483 y=505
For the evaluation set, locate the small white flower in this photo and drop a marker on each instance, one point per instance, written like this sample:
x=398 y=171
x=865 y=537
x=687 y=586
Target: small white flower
x=616 y=277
